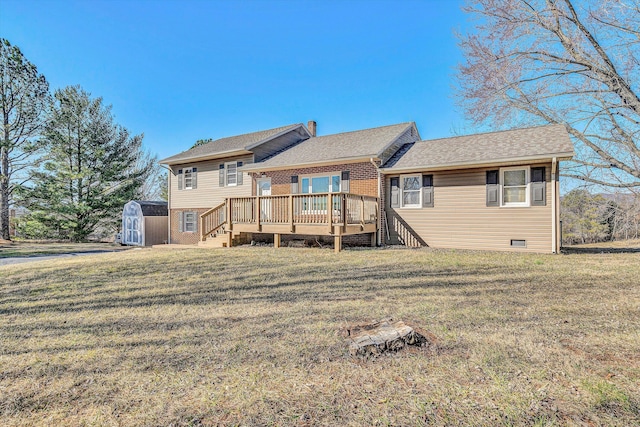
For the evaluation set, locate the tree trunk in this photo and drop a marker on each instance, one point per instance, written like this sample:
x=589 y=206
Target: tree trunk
x=4 y=194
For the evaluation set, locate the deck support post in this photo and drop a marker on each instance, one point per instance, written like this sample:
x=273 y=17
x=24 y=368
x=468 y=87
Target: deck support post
x=374 y=239
x=337 y=243
x=258 y=213
x=276 y=240
x=330 y=212
x=229 y=239
x=291 y=227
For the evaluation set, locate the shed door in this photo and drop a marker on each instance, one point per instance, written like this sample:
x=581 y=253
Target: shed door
x=132 y=232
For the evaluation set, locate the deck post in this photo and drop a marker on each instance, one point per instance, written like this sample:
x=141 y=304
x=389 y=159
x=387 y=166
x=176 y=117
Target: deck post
x=258 y=213
x=374 y=239
x=291 y=213
x=362 y=212
x=229 y=239
x=229 y=217
x=343 y=212
x=330 y=212
x=337 y=243
x=276 y=240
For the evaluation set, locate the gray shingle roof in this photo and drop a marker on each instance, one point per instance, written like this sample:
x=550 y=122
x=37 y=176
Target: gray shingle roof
x=229 y=144
x=153 y=208
x=484 y=148
x=356 y=144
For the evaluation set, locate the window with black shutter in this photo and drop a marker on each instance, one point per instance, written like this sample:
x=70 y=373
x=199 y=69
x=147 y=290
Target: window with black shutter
x=538 y=186
x=493 y=188
x=427 y=191
x=394 y=196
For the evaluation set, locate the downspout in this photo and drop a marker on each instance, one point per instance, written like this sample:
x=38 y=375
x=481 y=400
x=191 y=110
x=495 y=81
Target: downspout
x=168 y=204
x=380 y=207
x=554 y=207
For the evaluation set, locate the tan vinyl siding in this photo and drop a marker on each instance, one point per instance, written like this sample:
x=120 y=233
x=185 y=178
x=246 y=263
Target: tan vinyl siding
x=461 y=219
x=155 y=230
x=208 y=193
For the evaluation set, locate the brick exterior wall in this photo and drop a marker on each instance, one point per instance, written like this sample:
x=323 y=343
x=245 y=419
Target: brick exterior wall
x=363 y=178
x=183 y=238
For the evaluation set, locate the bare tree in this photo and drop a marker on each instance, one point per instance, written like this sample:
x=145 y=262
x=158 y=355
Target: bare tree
x=561 y=61
x=24 y=97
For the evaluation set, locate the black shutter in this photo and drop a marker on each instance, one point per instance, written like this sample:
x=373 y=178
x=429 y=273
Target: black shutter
x=395 y=192
x=238 y=173
x=344 y=184
x=194 y=178
x=493 y=188
x=294 y=184
x=179 y=179
x=180 y=222
x=538 y=187
x=427 y=191
x=221 y=175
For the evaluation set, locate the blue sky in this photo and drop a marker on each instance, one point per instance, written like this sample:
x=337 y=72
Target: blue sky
x=179 y=71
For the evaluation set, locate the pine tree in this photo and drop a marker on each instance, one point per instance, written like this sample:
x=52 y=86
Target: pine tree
x=93 y=167
x=24 y=98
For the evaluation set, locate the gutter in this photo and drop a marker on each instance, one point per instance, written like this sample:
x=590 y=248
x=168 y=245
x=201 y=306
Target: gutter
x=380 y=208
x=259 y=167
x=472 y=164
x=219 y=155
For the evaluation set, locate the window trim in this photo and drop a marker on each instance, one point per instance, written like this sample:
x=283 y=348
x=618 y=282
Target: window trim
x=402 y=191
x=527 y=187
x=226 y=174
x=329 y=175
x=188 y=171
x=185 y=222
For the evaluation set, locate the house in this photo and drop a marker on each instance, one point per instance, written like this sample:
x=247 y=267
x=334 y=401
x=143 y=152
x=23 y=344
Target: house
x=144 y=223
x=375 y=186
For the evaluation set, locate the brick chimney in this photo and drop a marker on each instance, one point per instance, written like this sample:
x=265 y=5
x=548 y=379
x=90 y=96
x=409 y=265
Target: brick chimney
x=312 y=127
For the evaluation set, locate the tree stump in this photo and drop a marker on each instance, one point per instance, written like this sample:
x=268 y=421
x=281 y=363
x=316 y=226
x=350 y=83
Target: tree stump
x=383 y=336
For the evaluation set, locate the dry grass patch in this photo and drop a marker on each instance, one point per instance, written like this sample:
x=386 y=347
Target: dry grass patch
x=249 y=336
x=29 y=249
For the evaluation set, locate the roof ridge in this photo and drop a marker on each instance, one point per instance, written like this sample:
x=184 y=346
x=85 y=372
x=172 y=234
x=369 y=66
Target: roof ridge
x=362 y=130
x=492 y=132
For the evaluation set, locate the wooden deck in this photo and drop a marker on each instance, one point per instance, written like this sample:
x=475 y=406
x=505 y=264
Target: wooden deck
x=325 y=214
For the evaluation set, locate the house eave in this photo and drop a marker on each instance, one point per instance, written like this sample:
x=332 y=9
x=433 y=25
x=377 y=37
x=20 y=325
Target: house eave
x=214 y=156
x=256 y=167
x=474 y=164
x=257 y=144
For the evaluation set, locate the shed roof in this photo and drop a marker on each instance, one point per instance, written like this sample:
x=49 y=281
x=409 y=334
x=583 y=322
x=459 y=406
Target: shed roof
x=153 y=208
x=519 y=144
x=340 y=146
x=229 y=144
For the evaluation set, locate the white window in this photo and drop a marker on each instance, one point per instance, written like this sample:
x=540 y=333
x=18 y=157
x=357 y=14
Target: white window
x=315 y=184
x=515 y=186
x=411 y=191
x=189 y=222
x=232 y=174
x=188 y=178
x=321 y=184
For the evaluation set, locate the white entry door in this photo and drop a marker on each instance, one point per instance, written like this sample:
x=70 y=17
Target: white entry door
x=264 y=189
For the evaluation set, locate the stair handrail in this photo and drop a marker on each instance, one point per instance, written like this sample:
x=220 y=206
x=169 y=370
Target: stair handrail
x=212 y=220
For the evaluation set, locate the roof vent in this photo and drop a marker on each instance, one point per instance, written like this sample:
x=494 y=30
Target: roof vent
x=311 y=125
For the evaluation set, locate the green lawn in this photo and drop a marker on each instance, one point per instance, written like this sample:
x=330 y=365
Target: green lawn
x=250 y=336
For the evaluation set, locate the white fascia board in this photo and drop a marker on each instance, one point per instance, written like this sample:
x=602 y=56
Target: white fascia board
x=469 y=165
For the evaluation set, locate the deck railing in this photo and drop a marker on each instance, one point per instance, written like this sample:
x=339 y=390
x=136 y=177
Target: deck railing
x=321 y=209
x=212 y=220
x=328 y=209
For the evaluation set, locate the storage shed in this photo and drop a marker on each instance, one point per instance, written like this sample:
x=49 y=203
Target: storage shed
x=144 y=223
